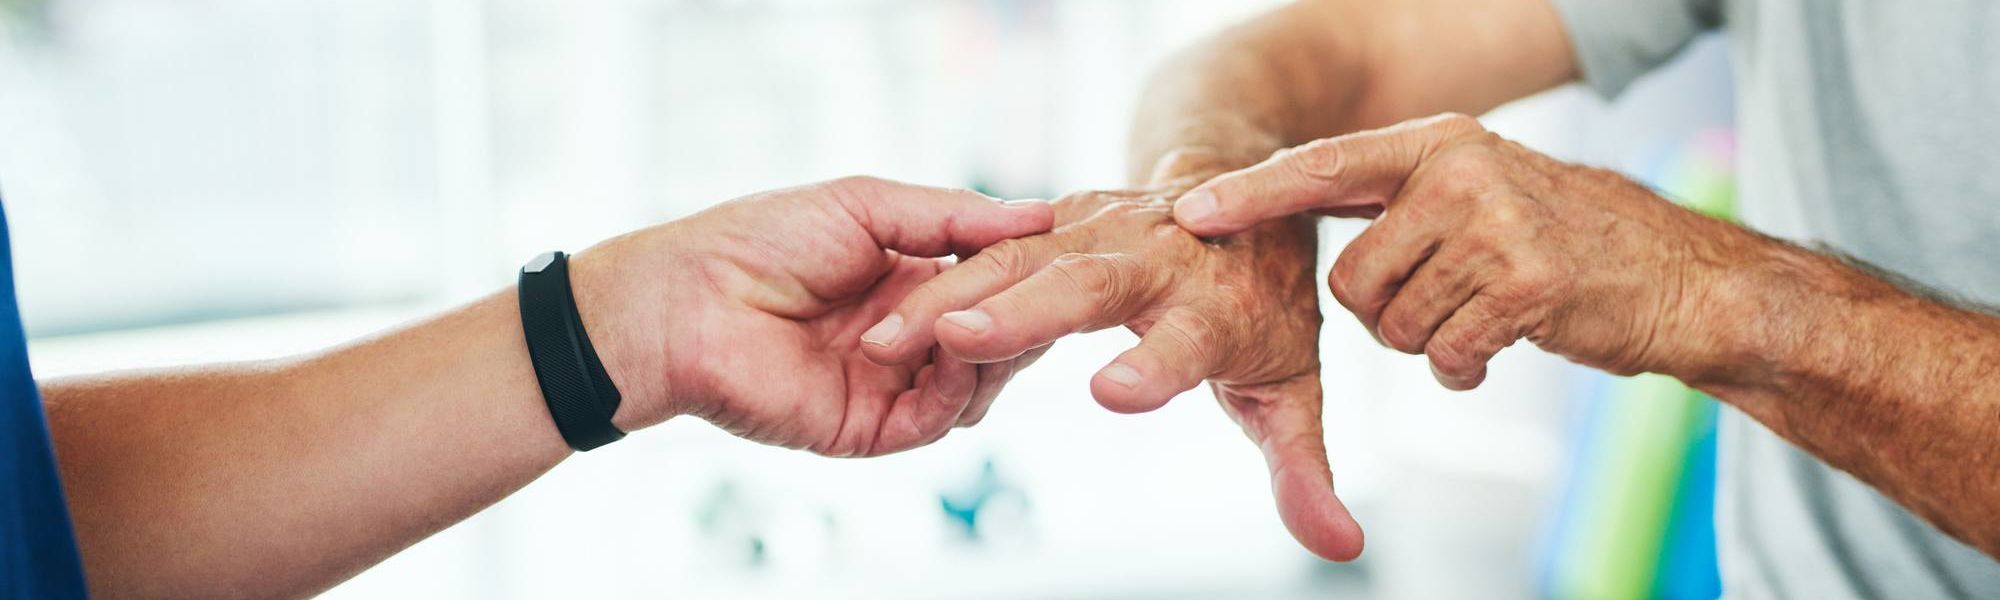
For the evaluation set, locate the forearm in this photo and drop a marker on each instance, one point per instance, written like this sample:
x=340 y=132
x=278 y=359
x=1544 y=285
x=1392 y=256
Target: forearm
x=1887 y=381
x=1317 y=68
x=281 y=478
x=1256 y=87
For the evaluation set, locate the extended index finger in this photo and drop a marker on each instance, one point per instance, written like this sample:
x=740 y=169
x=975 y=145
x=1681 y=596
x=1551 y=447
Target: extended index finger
x=1355 y=172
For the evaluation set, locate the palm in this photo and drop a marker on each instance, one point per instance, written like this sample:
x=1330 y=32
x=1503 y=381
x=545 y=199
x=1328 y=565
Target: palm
x=805 y=275
x=829 y=398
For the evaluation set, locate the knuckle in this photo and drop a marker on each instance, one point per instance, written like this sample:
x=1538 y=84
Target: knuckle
x=1120 y=208
x=1527 y=277
x=1337 y=280
x=1499 y=214
x=858 y=183
x=1477 y=243
x=1509 y=295
x=1088 y=274
x=1080 y=196
x=1455 y=351
x=1320 y=159
x=1400 y=331
x=1168 y=233
x=1005 y=258
x=1193 y=335
x=1369 y=303
x=1457 y=122
x=1533 y=276
x=1461 y=172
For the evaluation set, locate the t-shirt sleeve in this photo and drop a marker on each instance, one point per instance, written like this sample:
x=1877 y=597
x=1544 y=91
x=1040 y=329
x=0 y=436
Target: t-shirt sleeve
x=1616 y=41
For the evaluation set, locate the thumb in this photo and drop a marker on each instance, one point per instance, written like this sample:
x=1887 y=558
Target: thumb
x=1354 y=174
x=931 y=221
x=1284 y=420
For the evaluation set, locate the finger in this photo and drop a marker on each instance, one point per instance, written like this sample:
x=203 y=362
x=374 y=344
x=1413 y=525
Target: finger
x=1173 y=357
x=871 y=389
x=992 y=378
x=931 y=221
x=1284 y=420
x=907 y=333
x=927 y=411
x=1375 y=265
x=880 y=297
x=1442 y=284
x=1462 y=346
x=1076 y=292
x=1349 y=172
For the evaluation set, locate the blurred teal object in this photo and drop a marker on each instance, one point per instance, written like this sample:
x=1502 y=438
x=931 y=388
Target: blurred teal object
x=965 y=506
x=1687 y=566
x=727 y=518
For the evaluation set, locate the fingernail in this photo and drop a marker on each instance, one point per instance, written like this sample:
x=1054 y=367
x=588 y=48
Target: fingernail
x=972 y=320
x=1018 y=203
x=1122 y=375
x=1196 y=206
x=883 y=333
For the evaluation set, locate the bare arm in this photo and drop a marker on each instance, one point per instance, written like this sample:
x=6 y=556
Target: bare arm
x=213 y=481
x=282 y=478
x=1874 y=375
x=1317 y=68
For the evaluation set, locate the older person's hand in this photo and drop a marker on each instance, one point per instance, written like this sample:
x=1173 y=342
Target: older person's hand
x=1241 y=312
x=1481 y=242
x=750 y=314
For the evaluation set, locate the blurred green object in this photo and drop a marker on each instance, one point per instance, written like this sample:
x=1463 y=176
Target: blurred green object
x=1628 y=490
x=1637 y=519
x=31 y=15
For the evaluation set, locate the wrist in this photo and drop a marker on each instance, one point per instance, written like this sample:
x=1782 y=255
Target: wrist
x=1210 y=143
x=1195 y=163
x=1188 y=166
x=1761 y=313
x=627 y=289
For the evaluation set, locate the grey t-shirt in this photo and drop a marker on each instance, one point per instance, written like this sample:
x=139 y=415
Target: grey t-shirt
x=1870 y=126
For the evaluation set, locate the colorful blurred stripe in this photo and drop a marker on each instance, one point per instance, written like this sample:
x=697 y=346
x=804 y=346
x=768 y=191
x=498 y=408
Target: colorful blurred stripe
x=1637 y=517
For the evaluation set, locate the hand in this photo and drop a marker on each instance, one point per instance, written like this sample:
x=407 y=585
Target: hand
x=1481 y=242
x=749 y=314
x=1240 y=312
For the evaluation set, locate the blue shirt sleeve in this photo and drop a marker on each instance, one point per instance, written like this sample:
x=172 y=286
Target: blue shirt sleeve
x=38 y=557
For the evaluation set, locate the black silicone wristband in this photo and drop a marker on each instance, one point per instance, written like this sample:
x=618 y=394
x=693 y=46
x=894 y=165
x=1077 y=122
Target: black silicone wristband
x=580 y=394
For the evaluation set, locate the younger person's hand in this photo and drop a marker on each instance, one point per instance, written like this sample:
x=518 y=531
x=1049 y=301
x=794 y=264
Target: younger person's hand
x=750 y=314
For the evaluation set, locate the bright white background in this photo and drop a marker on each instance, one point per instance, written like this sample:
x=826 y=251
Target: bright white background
x=227 y=179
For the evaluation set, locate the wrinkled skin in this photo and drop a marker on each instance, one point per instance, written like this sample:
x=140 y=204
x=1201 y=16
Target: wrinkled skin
x=1481 y=242
x=767 y=298
x=1238 y=311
